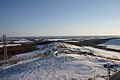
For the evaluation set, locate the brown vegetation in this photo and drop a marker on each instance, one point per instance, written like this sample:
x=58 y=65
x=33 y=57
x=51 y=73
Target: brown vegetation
x=13 y=50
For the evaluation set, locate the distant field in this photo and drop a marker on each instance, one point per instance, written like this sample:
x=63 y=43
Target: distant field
x=91 y=42
x=95 y=42
x=112 y=45
x=13 y=50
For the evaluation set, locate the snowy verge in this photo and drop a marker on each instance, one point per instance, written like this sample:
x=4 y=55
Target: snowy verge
x=112 y=44
x=105 y=53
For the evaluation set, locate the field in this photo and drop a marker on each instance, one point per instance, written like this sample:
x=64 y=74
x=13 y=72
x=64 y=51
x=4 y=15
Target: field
x=14 y=50
x=61 y=59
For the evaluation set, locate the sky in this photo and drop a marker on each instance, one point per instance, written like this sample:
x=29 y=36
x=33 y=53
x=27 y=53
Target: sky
x=59 y=17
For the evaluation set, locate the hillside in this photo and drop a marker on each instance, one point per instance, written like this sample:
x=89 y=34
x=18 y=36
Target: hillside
x=63 y=62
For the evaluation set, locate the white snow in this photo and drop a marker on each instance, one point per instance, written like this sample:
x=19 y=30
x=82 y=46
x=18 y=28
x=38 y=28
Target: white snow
x=57 y=39
x=71 y=41
x=116 y=47
x=23 y=41
x=11 y=45
x=65 y=67
x=71 y=46
x=112 y=44
x=59 y=67
x=105 y=53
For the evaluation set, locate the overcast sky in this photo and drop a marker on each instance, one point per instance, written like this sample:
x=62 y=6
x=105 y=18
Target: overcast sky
x=59 y=17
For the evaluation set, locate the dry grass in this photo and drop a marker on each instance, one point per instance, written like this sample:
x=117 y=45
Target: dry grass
x=13 y=50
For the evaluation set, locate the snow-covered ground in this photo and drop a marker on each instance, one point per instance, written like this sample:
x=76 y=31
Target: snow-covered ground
x=71 y=41
x=23 y=41
x=17 y=43
x=11 y=45
x=63 y=66
x=30 y=55
x=105 y=53
x=57 y=39
x=112 y=44
x=71 y=46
